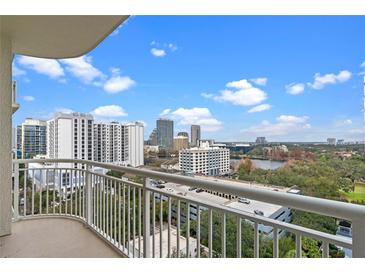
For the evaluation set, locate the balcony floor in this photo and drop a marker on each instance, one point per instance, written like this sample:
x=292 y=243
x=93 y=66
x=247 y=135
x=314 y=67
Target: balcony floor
x=53 y=238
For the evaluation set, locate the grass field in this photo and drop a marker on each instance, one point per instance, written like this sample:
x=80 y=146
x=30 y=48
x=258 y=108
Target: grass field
x=358 y=194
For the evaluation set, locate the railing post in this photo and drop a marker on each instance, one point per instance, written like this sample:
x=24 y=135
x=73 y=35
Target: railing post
x=358 y=238
x=16 y=191
x=89 y=198
x=146 y=219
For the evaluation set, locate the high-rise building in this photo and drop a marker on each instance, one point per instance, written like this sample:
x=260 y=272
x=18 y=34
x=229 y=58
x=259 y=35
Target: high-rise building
x=181 y=142
x=195 y=135
x=261 y=140
x=135 y=144
x=183 y=133
x=205 y=160
x=165 y=133
x=70 y=136
x=152 y=141
x=31 y=138
x=331 y=141
x=120 y=144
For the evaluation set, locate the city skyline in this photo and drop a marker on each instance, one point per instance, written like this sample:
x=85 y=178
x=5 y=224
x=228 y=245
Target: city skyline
x=225 y=77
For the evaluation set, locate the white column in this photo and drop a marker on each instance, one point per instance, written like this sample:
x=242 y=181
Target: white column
x=358 y=238
x=5 y=133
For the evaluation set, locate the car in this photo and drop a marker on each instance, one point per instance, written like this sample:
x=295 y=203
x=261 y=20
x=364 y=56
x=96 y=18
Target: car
x=160 y=186
x=192 y=188
x=243 y=200
x=169 y=189
x=199 y=190
x=258 y=212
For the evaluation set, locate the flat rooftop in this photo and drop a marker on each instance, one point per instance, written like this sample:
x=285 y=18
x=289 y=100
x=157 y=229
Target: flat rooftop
x=204 y=197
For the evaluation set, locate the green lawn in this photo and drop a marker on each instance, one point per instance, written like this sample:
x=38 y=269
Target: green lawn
x=358 y=194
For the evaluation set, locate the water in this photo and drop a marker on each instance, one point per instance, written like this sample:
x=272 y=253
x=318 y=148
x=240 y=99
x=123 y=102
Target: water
x=263 y=164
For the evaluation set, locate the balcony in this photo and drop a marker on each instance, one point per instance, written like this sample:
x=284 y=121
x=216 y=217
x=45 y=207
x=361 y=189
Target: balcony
x=117 y=217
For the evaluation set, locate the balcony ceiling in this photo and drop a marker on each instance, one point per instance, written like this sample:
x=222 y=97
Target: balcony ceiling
x=58 y=36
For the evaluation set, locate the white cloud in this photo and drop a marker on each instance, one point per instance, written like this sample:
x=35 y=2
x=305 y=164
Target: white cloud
x=28 y=98
x=345 y=122
x=362 y=64
x=83 y=69
x=320 y=81
x=49 y=67
x=260 y=108
x=117 y=83
x=244 y=97
x=172 y=47
x=244 y=94
x=158 y=52
x=165 y=112
x=207 y=95
x=196 y=115
x=109 y=111
x=261 y=81
x=285 y=124
x=241 y=84
x=16 y=71
x=295 y=88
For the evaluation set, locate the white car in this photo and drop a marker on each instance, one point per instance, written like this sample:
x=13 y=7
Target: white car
x=169 y=189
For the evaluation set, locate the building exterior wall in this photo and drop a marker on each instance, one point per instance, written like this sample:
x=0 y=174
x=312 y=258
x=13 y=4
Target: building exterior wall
x=121 y=144
x=207 y=161
x=195 y=135
x=70 y=136
x=165 y=133
x=31 y=138
x=181 y=142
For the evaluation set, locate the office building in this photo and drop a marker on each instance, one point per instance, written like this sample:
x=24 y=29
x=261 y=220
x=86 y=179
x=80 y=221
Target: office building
x=195 y=135
x=31 y=138
x=120 y=144
x=331 y=141
x=205 y=160
x=70 y=136
x=181 y=142
x=183 y=133
x=165 y=133
x=152 y=141
x=261 y=140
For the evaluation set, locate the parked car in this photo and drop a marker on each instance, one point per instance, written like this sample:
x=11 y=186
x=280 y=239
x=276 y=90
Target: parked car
x=169 y=189
x=192 y=188
x=160 y=186
x=258 y=212
x=199 y=190
x=243 y=200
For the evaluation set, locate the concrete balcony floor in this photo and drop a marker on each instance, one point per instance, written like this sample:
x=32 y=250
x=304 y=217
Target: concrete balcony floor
x=54 y=238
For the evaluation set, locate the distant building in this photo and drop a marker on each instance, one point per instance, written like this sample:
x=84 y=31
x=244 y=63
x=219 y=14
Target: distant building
x=70 y=136
x=120 y=144
x=31 y=138
x=152 y=141
x=183 y=133
x=261 y=140
x=181 y=142
x=195 y=135
x=340 y=141
x=331 y=141
x=205 y=160
x=165 y=133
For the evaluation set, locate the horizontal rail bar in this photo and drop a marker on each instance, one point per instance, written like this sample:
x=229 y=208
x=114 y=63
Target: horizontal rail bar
x=316 y=205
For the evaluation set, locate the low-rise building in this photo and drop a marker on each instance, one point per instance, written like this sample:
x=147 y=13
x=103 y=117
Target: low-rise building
x=205 y=160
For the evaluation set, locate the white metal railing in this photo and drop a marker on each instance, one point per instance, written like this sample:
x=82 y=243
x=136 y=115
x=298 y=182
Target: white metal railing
x=143 y=221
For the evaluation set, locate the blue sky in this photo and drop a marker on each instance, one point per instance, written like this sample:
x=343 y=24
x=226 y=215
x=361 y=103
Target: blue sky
x=286 y=78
